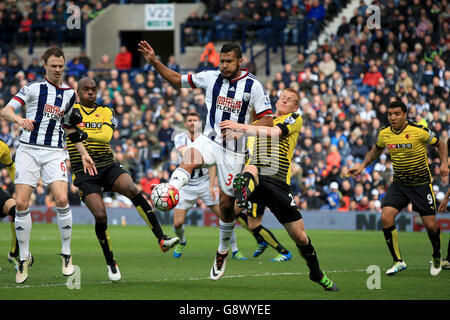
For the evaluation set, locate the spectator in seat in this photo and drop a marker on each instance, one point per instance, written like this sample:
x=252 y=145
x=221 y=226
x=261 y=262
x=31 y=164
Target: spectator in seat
x=210 y=57
x=299 y=64
x=333 y=157
x=165 y=137
x=328 y=65
x=104 y=63
x=75 y=68
x=359 y=149
x=84 y=59
x=172 y=64
x=372 y=76
x=147 y=181
x=333 y=198
x=404 y=81
x=124 y=59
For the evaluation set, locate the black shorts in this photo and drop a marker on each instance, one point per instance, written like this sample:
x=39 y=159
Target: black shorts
x=256 y=210
x=422 y=198
x=277 y=196
x=103 y=180
x=4 y=196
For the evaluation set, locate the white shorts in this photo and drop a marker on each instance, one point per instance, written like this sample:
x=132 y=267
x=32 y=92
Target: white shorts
x=193 y=191
x=228 y=163
x=35 y=162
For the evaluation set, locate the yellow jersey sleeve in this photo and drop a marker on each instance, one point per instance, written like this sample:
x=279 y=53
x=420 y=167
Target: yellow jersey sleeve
x=381 y=139
x=6 y=160
x=427 y=136
x=292 y=123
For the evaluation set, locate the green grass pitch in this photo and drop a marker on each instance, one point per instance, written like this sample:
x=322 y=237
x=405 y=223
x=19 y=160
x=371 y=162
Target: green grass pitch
x=149 y=274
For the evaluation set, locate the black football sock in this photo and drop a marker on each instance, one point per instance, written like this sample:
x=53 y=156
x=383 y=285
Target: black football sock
x=146 y=212
x=101 y=230
x=309 y=254
x=391 y=236
x=14 y=243
x=243 y=221
x=435 y=239
x=266 y=235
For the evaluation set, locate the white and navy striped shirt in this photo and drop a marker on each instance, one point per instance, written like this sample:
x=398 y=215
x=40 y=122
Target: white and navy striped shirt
x=50 y=106
x=198 y=175
x=232 y=100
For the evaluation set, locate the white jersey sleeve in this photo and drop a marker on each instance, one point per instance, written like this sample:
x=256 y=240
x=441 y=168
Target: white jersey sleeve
x=198 y=80
x=21 y=98
x=260 y=100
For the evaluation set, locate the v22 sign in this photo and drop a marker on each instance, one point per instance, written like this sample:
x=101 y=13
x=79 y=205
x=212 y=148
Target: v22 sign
x=159 y=16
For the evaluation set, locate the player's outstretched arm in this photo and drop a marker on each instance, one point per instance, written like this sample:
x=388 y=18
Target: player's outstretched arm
x=266 y=121
x=9 y=115
x=88 y=163
x=104 y=136
x=230 y=127
x=149 y=54
x=443 y=206
x=443 y=156
x=373 y=154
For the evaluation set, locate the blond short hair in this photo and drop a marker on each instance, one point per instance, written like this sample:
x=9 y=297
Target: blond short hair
x=297 y=96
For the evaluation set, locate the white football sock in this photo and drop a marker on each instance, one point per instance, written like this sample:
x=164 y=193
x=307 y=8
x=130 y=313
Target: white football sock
x=23 y=232
x=180 y=233
x=233 y=242
x=226 y=231
x=64 y=218
x=179 y=178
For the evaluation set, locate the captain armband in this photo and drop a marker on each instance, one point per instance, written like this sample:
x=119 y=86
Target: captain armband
x=77 y=136
x=75 y=118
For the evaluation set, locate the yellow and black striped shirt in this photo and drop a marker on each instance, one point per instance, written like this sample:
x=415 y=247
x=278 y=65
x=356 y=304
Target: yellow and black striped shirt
x=99 y=123
x=272 y=156
x=6 y=160
x=408 y=149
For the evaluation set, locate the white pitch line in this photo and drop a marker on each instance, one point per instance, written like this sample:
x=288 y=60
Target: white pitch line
x=266 y=274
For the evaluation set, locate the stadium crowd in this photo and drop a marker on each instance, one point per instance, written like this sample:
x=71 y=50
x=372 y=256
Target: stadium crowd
x=345 y=86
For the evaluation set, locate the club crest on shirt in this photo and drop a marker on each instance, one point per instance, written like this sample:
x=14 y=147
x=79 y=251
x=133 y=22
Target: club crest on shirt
x=289 y=120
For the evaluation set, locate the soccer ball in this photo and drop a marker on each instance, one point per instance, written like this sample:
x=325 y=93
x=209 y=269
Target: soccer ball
x=165 y=197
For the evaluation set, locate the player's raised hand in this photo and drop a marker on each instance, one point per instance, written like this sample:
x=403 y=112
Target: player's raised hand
x=443 y=206
x=89 y=165
x=444 y=170
x=26 y=124
x=147 y=51
x=355 y=170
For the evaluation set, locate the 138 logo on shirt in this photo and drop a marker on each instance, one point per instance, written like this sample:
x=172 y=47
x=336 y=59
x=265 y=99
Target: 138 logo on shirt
x=93 y=125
